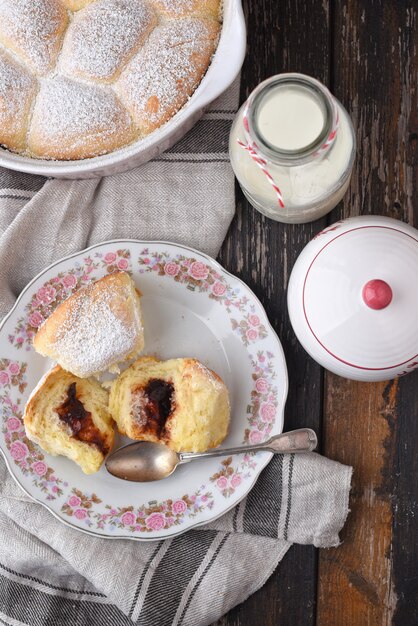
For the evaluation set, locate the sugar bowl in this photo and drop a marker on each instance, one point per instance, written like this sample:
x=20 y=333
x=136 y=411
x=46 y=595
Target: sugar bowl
x=353 y=298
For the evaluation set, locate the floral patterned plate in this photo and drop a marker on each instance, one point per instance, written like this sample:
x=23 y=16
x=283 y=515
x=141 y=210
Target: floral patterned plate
x=192 y=307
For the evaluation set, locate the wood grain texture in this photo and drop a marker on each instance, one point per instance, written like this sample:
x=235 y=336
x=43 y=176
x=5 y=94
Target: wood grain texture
x=372 y=577
x=355 y=583
x=290 y=35
x=365 y=51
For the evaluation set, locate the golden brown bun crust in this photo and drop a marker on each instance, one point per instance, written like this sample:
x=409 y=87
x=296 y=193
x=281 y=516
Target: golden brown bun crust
x=184 y=8
x=76 y=5
x=160 y=78
x=179 y=402
x=96 y=328
x=51 y=424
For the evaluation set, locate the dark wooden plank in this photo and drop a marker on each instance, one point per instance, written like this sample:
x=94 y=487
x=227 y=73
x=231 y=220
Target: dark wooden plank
x=373 y=577
x=404 y=474
x=285 y=35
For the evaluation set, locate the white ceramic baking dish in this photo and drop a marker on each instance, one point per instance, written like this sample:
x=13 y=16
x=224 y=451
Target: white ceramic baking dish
x=224 y=67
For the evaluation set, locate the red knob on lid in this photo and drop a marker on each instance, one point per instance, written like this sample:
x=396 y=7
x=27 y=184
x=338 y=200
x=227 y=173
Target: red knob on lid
x=377 y=294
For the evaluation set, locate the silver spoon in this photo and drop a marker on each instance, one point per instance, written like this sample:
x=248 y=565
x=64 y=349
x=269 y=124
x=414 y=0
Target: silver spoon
x=144 y=461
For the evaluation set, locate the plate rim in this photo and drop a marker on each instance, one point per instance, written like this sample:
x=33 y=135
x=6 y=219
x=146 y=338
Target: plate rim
x=268 y=455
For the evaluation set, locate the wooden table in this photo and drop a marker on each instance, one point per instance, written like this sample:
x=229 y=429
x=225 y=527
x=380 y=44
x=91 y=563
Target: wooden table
x=364 y=51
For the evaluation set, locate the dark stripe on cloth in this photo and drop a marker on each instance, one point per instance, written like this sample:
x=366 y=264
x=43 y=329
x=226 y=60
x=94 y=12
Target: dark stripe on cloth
x=213 y=133
x=36 y=608
x=13 y=197
x=205 y=571
x=10 y=179
x=174 y=572
x=42 y=582
x=141 y=580
x=264 y=503
x=289 y=497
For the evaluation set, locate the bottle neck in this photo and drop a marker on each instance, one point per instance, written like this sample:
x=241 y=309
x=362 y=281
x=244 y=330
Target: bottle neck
x=290 y=119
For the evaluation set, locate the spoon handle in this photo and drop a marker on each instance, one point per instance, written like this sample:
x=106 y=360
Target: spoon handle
x=302 y=440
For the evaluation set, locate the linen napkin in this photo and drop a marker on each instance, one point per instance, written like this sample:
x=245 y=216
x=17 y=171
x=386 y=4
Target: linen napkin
x=52 y=575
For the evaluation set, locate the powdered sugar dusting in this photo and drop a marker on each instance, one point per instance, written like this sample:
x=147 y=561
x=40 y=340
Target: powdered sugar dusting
x=156 y=55
x=93 y=337
x=104 y=35
x=16 y=87
x=34 y=29
x=77 y=113
x=163 y=74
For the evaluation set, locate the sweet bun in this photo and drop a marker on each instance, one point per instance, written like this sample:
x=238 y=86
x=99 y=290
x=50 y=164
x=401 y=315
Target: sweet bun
x=94 y=48
x=17 y=92
x=96 y=328
x=74 y=120
x=179 y=402
x=33 y=29
x=158 y=81
x=68 y=416
x=105 y=72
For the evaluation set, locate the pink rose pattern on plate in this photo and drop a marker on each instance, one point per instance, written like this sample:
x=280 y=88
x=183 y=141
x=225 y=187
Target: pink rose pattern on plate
x=229 y=478
x=80 y=506
x=115 y=260
x=12 y=374
x=25 y=454
x=249 y=328
x=263 y=409
x=153 y=517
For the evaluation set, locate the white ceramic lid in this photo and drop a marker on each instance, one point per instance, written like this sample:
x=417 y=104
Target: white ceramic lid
x=353 y=298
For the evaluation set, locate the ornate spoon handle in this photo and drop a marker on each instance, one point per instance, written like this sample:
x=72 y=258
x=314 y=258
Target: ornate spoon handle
x=302 y=440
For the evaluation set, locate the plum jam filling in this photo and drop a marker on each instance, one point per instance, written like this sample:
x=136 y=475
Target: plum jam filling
x=73 y=413
x=159 y=405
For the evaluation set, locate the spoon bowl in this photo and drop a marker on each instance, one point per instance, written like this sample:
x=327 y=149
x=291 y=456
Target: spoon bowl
x=142 y=461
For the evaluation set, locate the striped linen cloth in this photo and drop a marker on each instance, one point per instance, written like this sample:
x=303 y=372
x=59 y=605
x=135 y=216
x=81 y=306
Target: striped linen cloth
x=52 y=575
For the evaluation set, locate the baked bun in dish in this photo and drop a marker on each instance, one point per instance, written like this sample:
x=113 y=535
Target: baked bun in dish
x=179 y=402
x=83 y=78
x=96 y=328
x=69 y=416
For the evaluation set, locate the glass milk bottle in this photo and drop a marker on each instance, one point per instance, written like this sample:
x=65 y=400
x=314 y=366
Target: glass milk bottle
x=292 y=148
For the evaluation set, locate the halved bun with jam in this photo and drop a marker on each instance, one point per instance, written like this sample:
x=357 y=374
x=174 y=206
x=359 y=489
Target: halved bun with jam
x=69 y=416
x=179 y=402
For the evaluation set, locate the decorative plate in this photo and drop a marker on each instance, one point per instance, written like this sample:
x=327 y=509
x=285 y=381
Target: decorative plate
x=191 y=307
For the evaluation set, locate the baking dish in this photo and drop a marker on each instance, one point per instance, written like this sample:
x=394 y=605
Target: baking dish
x=224 y=67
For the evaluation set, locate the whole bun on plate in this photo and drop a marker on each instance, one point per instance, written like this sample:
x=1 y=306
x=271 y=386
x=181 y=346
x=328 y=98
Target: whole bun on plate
x=96 y=328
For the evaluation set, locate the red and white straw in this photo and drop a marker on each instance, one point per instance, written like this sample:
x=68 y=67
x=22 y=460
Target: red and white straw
x=331 y=137
x=262 y=163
